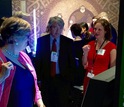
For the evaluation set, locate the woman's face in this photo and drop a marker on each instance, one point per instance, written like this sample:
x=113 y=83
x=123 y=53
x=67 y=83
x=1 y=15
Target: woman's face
x=55 y=30
x=99 y=31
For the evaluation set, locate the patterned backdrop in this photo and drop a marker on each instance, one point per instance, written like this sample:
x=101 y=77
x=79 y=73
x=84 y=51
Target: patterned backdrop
x=70 y=10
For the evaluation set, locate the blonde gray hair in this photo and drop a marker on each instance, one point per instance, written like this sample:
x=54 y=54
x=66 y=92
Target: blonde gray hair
x=14 y=26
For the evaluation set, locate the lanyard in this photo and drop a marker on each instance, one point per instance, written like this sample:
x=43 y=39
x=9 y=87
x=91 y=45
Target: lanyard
x=95 y=53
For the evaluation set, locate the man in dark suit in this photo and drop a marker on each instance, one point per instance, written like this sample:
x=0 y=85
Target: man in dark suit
x=55 y=88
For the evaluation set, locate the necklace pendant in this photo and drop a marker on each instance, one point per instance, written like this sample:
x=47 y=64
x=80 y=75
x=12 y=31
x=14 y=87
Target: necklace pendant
x=12 y=55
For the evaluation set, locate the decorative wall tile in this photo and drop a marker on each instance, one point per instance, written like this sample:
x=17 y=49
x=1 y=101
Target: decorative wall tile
x=69 y=9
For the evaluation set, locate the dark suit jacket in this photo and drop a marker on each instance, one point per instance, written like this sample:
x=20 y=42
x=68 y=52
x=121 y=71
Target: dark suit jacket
x=66 y=58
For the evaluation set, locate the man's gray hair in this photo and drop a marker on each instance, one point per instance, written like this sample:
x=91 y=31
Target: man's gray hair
x=57 y=20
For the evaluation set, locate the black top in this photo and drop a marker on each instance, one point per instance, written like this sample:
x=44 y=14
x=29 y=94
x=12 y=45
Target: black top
x=79 y=74
x=22 y=90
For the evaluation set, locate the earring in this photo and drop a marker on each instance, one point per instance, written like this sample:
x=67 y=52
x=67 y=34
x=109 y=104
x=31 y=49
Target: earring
x=16 y=43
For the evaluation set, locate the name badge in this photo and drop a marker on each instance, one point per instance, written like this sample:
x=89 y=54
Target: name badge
x=28 y=49
x=101 y=51
x=54 y=56
x=90 y=75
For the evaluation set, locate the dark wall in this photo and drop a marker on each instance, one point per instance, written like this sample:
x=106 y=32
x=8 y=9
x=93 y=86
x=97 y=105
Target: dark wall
x=119 y=92
x=5 y=8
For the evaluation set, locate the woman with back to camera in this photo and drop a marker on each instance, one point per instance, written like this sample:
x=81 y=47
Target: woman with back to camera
x=18 y=81
x=79 y=74
x=78 y=44
x=99 y=55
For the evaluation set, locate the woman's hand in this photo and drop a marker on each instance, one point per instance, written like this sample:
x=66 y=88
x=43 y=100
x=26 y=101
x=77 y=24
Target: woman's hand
x=40 y=103
x=5 y=70
x=86 y=49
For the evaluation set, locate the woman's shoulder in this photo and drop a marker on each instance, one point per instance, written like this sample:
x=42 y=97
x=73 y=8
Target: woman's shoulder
x=66 y=39
x=111 y=45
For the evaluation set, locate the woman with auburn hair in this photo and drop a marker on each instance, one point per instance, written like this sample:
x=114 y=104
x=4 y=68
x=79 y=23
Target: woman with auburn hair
x=100 y=54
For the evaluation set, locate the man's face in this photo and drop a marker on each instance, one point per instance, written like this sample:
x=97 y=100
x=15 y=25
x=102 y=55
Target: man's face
x=55 y=30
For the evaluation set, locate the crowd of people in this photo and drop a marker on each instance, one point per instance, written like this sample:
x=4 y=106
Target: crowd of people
x=60 y=64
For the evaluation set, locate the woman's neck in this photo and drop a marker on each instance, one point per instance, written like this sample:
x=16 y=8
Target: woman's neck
x=100 y=41
x=13 y=51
